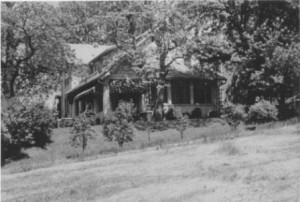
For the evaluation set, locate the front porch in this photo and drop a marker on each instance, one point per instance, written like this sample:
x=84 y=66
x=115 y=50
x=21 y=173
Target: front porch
x=187 y=94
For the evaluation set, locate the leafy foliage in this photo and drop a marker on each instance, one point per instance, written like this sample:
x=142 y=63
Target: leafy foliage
x=81 y=131
x=262 y=35
x=170 y=114
x=181 y=120
x=129 y=85
x=196 y=113
x=28 y=123
x=32 y=51
x=117 y=126
x=262 y=112
x=234 y=114
x=9 y=150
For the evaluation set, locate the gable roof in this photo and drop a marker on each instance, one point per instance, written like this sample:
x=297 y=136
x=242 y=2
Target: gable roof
x=87 y=53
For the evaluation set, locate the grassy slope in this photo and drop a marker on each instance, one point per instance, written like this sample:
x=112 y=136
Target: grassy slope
x=60 y=151
x=261 y=167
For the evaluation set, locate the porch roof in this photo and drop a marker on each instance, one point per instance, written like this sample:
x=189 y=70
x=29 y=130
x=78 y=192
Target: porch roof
x=85 y=82
x=209 y=75
x=88 y=91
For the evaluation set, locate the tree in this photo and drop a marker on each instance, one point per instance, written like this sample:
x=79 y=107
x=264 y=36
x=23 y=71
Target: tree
x=234 y=114
x=181 y=122
x=262 y=35
x=81 y=131
x=32 y=53
x=178 y=34
x=24 y=124
x=117 y=125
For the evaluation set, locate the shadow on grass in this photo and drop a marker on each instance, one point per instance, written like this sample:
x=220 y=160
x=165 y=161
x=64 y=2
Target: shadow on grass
x=12 y=154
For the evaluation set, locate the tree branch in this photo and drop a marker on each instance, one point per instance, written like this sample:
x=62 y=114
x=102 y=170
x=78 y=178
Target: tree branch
x=178 y=57
x=32 y=49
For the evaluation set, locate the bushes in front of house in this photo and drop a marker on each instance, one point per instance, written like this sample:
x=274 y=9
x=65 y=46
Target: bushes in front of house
x=117 y=125
x=170 y=114
x=25 y=124
x=262 y=112
x=196 y=113
x=28 y=123
x=234 y=114
x=81 y=131
x=181 y=122
x=9 y=150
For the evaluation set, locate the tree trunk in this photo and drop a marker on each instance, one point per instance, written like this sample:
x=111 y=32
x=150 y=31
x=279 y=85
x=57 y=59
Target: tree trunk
x=181 y=135
x=158 y=108
x=149 y=132
x=12 y=87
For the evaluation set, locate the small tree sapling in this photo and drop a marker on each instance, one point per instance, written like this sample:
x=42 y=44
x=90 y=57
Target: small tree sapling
x=182 y=122
x=117 y=126
x=81 y=132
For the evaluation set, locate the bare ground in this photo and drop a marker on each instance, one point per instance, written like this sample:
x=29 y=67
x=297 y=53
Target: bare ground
x=262 y=167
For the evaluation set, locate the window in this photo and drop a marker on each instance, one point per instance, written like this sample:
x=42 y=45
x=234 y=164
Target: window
x=202 y=92
x=180 y=92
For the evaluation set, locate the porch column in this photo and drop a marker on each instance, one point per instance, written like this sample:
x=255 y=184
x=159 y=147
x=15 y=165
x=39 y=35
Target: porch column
x=106 y=99
x=74 y=108
x=70 y=109
x=191 y=92
x=79 y=106
x=96 y=108
x=169 y=93
x=142 y=103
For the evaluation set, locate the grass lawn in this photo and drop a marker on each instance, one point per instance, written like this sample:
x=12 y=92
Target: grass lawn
x=60 y=151
x=261 y=165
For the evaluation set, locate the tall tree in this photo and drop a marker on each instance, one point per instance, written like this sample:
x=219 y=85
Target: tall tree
x=262 y=34
x=32 y=53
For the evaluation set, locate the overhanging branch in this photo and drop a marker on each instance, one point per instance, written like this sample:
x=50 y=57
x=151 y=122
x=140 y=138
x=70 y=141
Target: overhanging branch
x=178 y=57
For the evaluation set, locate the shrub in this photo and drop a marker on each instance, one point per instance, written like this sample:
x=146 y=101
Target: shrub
x=196 y=113
x=117 y=125
x=213 y=114
x=187 y=114
x=262 y=112
x=170 y=114
x=81 y=131
x=28 y=123
x=182 y=122
x=8 y=149
x=234 y=114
